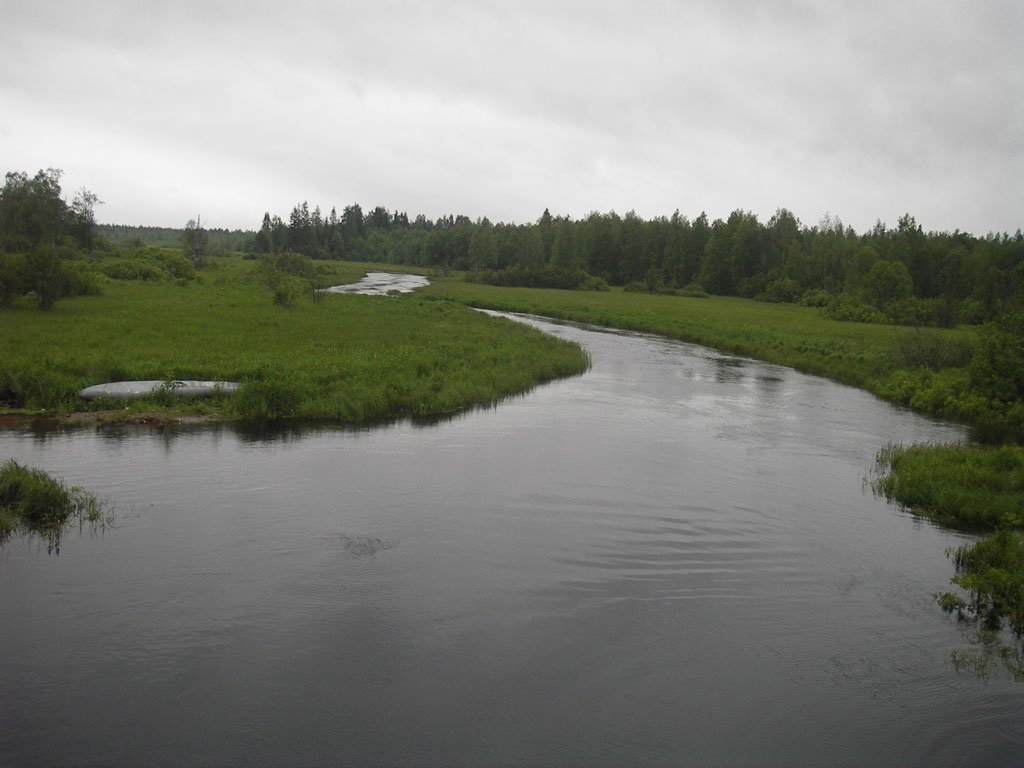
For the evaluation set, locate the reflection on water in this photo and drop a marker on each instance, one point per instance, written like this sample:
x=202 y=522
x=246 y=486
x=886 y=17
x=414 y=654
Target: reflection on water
x=669 y=559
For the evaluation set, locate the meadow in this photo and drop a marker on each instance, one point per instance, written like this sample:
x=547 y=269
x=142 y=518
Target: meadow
x=349 y=358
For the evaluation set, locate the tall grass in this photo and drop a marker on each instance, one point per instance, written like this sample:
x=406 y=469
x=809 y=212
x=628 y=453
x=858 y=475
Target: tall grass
x=972 y=487
x=33 y=502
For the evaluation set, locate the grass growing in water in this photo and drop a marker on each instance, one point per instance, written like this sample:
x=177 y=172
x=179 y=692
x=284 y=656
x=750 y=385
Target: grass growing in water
x=33 y=502
x=970 y=487
x=976 y=488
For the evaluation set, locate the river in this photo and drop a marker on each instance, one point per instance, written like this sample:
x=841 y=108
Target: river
x=669 y=560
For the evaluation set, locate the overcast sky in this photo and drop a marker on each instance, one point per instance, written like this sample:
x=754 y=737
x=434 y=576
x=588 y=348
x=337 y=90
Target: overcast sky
x=865 y=110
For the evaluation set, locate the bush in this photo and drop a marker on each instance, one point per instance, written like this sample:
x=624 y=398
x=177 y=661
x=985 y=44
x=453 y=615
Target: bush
x=844 y=307
x=816 y=297
x=289 y=276
x=971 y=312
x=915 y=311
x=997 y=367
x=693 y=290
x=175 y=264
x=134 y=269
x=784 y=291
x=519 y=276
x=931 y=350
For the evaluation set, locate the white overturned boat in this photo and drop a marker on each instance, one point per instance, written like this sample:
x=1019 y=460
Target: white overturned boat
x=127 y=390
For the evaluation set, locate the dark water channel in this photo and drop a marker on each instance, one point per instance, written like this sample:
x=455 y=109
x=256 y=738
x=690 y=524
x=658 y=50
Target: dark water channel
x=669 y=560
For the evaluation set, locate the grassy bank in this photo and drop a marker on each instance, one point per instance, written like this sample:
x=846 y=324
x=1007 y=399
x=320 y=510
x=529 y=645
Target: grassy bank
x=343 y=357
x=971 y=487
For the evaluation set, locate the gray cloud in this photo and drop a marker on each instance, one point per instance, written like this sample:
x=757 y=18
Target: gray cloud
x=500 y=110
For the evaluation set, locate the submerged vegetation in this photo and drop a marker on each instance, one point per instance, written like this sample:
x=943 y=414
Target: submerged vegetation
x=34 y=503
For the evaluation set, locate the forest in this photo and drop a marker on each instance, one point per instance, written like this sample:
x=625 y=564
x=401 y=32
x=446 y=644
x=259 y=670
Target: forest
x=903 y=276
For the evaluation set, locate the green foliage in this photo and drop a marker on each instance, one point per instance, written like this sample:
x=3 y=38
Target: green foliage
x=962 y=486
x=33 y=213
x=33 y=502
x=133 y=269
x=195 y=242
x=917 y=312
x=815 y=297
x=991 y=572
x=43 y=275
x=928 y=349
x=289 y=276
x=887 y=281
x=785 y=290
x=845 y=308
x=997 y=368
x=12 y=277
x=540 y=277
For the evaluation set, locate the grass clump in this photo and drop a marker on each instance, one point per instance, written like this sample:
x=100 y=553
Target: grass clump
x=33 y=502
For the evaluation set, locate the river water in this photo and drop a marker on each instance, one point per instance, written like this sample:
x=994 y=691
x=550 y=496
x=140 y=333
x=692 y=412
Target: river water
x=669 y=560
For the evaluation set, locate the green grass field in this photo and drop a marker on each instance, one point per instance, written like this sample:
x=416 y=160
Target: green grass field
x=345 y=357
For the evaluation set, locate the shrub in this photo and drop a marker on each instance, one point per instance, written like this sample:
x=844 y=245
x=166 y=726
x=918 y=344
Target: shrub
x=519 y=276
x=931 y=350
x=784 y=291
x=288 y=275
x=842 y=306
x=816 y=297
x=997 y=367
x=693 y=290
x=914 y=311
x=971 y=312
x=134 y=269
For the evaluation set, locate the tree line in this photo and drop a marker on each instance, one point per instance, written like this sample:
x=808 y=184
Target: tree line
x=902 y=275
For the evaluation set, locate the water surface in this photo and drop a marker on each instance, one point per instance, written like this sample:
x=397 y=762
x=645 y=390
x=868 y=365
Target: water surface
x=669 y=560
